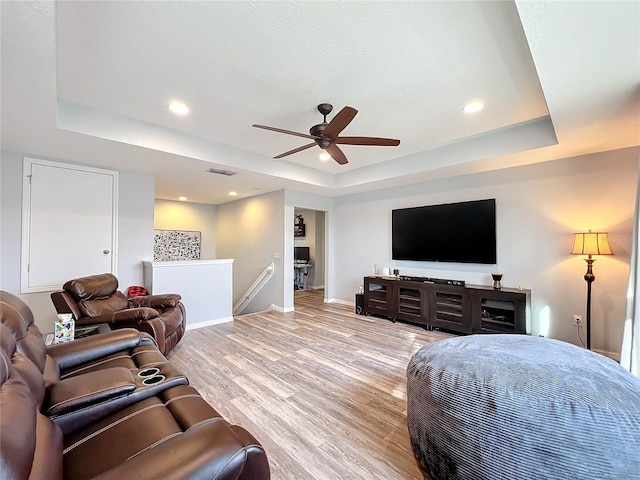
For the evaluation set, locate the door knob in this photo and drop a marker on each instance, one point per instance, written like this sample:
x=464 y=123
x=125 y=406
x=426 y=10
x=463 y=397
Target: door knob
x=105 y=251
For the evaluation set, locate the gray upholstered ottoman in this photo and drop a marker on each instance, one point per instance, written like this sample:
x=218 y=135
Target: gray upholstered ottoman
x=520 y=407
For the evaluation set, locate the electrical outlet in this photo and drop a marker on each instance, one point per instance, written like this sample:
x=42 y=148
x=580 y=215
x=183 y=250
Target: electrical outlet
x=577 y=320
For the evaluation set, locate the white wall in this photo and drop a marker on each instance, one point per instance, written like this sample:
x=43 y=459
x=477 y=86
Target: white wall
x=135 y=232
x=251 y=231
x=171 y=215
x=538 y=209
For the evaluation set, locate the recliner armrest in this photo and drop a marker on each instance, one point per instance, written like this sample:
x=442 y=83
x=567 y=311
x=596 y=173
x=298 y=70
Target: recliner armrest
x=135 y=315
x=84 y=321
x=64 y=303
x=84 y=350
x=75 y=402
x=79 y=392
x=164 y=301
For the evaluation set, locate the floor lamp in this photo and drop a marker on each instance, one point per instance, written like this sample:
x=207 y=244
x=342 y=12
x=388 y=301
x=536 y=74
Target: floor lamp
x=590 y=243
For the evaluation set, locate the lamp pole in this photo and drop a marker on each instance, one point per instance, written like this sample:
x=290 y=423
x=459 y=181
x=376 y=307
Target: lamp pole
x=589 y=277
x=590 y=243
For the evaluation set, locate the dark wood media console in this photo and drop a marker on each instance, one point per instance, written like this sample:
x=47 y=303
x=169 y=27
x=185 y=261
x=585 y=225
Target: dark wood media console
x=468 y=309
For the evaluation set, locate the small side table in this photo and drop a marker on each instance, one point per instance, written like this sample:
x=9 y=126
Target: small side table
x=83 y=331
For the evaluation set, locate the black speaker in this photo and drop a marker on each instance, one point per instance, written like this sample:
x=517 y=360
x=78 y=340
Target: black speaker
x=359 y=304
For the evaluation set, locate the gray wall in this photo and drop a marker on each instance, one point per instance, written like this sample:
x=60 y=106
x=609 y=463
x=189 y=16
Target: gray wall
x=539 y=207
x=172 y=215
x=135 y=232
x=135 y=226
x=251 y=231
x=320 y=250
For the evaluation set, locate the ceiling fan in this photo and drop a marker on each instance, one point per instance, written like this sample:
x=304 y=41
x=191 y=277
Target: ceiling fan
x=325 y=135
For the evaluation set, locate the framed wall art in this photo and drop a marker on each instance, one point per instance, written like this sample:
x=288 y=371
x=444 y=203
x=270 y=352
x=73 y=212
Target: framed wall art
x=171 y=245
x=298 y=226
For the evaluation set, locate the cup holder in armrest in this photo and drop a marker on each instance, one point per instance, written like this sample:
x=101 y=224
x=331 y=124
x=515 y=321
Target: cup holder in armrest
x=153 y=380
x=148 y=372
x=157 y=377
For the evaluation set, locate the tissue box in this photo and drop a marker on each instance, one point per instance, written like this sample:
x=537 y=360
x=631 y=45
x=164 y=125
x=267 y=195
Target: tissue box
x=64 y=329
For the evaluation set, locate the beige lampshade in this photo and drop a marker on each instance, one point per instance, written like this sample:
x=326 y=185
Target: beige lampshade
x=591 y=243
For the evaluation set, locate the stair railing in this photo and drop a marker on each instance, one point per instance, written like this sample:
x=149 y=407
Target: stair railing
x=254 y=289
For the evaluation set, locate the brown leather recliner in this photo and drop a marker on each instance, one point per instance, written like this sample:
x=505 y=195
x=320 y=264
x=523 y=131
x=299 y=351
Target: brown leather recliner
x=104 y=366
x=96 y=299
x=170 y=432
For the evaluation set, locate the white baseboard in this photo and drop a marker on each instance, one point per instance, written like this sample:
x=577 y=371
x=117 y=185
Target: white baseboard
x=276 y=308
x=272 y=308
x=208 y=323
x=339 y=301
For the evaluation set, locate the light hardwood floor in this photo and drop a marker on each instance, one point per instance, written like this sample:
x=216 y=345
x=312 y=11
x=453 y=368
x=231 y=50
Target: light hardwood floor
x=323 y=389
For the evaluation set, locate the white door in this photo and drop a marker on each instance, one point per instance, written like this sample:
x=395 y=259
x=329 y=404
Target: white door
x=69 y=223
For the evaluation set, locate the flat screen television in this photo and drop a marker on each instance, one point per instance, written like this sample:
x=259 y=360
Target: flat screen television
x=462 y=232
x=301 y=254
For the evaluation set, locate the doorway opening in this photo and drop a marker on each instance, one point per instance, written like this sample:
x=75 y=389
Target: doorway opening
x=309 y=254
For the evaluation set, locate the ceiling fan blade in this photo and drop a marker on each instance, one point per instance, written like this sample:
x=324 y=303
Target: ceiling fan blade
x=383 y=142
x=296 y=150
x=288 y=132
x=337 y=154
x=339 y=122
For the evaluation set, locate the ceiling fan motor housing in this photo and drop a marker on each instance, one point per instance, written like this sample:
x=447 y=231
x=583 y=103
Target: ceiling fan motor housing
x=324 y=142
x=317 y=131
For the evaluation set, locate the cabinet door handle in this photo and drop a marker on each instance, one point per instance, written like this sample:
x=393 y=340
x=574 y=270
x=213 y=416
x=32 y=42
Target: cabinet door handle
x=105 y=251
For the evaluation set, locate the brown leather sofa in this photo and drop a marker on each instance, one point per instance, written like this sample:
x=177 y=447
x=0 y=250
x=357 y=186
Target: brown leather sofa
x=96 y=299
x=85 y=409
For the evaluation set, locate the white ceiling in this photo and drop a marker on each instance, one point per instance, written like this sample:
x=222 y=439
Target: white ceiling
x=90 y=82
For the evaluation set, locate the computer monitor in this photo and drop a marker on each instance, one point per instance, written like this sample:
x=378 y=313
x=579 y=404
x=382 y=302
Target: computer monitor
x=301 y=254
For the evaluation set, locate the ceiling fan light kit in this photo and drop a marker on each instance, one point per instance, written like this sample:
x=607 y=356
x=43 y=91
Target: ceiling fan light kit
x=325 y=135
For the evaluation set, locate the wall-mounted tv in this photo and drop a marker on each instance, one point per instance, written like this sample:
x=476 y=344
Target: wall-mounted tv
x=462 y=232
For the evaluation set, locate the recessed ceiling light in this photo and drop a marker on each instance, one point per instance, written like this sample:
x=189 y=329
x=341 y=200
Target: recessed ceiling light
x=324 y=156
x=473 y=107
x=178 y=107
x=182 y=199
x=233 y=194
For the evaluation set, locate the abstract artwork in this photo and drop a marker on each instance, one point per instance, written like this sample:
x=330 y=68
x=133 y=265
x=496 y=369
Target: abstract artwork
x=176 y=245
